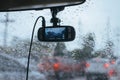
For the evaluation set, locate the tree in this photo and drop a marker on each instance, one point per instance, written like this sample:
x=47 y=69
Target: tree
x=100 y=53
x=88 y=45
x=77 y=54
x=109 y=49
x=39 y=49
x=60 y=49
x=88 y=48
x=107 y=52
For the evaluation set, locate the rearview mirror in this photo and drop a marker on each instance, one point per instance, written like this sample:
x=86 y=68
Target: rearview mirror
x=55 y=34
x=17 y=5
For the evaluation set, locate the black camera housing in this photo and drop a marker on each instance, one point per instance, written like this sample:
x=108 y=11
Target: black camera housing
x=55 y=34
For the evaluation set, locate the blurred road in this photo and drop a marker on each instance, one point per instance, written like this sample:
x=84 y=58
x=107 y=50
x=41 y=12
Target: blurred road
x=84 y=78
x=79 y=78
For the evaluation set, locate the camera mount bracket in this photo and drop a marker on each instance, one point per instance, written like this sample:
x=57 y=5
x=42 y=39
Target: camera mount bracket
x=54 y=12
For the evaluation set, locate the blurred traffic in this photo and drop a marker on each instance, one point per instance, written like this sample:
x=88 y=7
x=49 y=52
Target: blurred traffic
x=98 y=68
x=64 y=67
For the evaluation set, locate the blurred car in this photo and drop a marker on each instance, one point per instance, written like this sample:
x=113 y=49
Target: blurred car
x=117 y=68
x=64 y=67
x=99 y=68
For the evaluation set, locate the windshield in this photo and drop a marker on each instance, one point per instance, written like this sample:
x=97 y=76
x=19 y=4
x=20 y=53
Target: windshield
x=97 y=27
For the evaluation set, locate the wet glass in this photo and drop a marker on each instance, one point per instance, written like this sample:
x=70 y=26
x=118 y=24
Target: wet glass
x=97 y=36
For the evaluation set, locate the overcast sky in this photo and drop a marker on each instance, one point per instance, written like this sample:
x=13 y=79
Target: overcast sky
x=99 y=16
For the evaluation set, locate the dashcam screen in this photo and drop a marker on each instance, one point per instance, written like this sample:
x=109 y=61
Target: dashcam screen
x=55 y=33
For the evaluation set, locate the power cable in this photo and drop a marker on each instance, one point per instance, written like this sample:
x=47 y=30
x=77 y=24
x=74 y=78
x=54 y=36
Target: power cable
x=43 y=25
